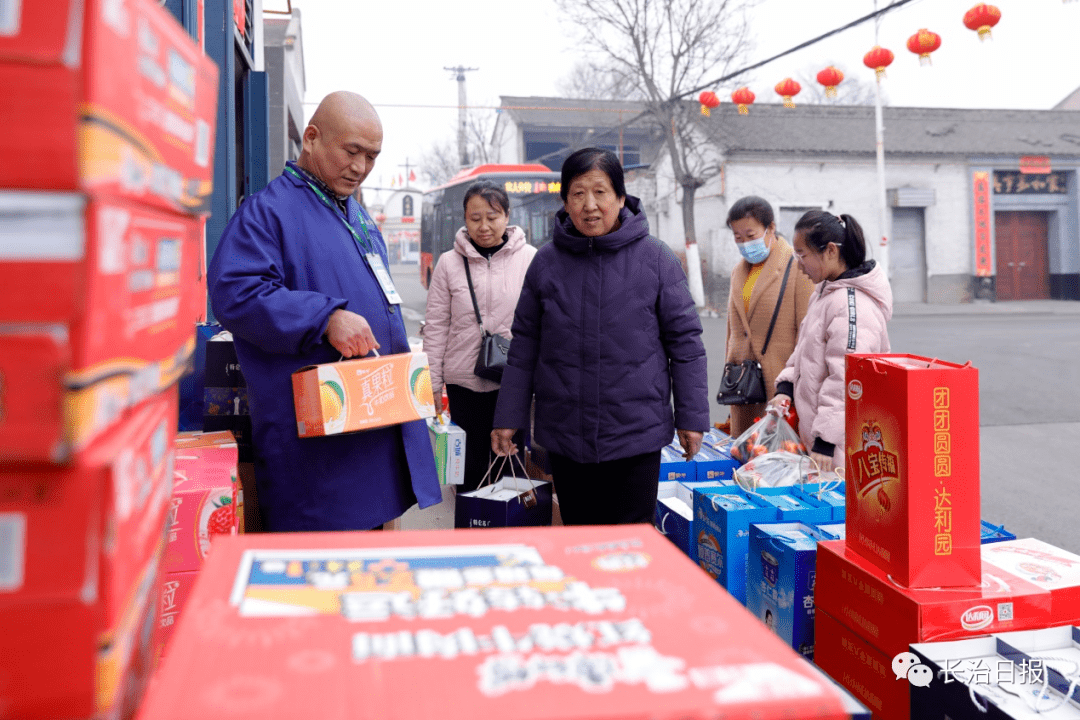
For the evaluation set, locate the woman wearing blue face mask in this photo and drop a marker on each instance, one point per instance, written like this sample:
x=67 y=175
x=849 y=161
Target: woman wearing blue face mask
x=767 y=290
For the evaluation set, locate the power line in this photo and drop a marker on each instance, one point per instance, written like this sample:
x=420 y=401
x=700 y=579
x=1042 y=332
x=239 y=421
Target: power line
x=800 y=46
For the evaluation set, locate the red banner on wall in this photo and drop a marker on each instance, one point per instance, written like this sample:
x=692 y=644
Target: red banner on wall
x=981 y=186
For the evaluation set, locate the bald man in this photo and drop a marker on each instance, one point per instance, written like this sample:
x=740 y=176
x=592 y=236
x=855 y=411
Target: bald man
x=300 y=278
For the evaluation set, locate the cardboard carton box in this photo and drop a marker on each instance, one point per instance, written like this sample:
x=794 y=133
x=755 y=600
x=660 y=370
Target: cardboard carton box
x=79 y=657
x=88 y=529
x=861 y=668
x=448 y=444
x=722 y=519
x=780 y=582
x=361 y=394
x=107 y=97
x=98 y=313
x=207 y=499
x=1044 y=566
x=855 y=592
x=518 y=624
x=174 y=589
x=913 y=468
x=828 y=494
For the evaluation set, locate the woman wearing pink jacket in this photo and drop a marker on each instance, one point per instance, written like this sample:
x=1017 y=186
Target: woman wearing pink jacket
x=498 y=256
x=848 y=313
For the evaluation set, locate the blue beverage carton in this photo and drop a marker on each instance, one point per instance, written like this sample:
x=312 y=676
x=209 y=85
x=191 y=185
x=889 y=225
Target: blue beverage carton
x=674 y=467
x=995 y=533
x=780 y=581
x=674 y=513
x=722 y=518
x=793 y=508
x=713 y=464
x=832 y=495
x=831 y=531
x=716 y=439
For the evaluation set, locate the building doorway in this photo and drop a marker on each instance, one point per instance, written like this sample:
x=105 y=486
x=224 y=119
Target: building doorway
x=1023 y=268
x=907 y=256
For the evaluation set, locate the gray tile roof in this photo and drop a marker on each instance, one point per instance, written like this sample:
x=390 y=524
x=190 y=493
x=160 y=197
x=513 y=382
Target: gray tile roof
x=810 y=129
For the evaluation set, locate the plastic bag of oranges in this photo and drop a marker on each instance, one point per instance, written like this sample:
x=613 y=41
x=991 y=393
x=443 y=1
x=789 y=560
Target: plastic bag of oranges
x=769 y=434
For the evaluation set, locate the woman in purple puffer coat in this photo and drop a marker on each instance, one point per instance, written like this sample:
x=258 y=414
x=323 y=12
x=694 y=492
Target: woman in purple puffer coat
x=605 y=335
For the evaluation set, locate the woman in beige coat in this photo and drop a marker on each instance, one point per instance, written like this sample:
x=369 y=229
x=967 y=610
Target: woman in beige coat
x=755 y=295
x=498 y=256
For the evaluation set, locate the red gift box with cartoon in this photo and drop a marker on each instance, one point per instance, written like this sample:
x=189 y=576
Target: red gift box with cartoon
x=913 y=468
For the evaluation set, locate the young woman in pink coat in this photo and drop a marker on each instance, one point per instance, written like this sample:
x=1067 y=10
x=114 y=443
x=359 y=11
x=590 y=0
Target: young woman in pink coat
x=848 y=313
x=498 y=256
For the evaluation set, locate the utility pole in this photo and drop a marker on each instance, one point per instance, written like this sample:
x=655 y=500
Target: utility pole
x=882 y=253
x=459 y=75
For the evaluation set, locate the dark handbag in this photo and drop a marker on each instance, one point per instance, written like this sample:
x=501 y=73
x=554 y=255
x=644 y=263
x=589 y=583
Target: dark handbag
x=744 y=382
x=494 y=349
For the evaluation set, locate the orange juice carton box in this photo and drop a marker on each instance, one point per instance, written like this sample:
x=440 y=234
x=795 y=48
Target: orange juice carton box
x=206 y=501
x=106 y=97
x=83 y=531
x=98 y=312
x=362 y=394
x=80 y=657
x=174 y=589
x=912 y=446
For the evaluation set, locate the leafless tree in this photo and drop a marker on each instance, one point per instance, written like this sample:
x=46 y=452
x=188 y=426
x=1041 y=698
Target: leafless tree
x=666 y=48
x=854 y=90
x=482 y=137
x=593 y=80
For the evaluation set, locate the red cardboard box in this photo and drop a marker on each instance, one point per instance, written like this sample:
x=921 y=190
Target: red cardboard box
x=78 y=657
x=107 y=97
x=862 y=669
x=858 y=594
x=174 y=591
x=517 y=624
x=1045 y=566
x=88 y=530
x=913 y=468
x=95 y=326
x=206 y=500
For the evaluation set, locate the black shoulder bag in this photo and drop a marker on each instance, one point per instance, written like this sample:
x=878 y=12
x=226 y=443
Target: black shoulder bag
x=494 y=349
x=744 y=383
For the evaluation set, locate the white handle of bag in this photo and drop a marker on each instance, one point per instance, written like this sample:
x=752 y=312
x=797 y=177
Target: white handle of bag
x=525 y=473
x=663 y=521
x=487 y=479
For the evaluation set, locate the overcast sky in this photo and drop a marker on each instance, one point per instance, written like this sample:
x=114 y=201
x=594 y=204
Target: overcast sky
x=394 y=54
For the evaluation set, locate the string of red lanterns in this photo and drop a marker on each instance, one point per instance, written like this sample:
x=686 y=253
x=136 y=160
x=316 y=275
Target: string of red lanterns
x=708 y=101
x=878 y=59
x=830 y=77
x=744 y=98
x=788 y=89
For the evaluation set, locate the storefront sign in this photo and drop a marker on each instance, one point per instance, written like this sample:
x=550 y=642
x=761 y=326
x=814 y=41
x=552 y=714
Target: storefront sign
x=1021 y=182
x=1039 y=164
x=981 y=185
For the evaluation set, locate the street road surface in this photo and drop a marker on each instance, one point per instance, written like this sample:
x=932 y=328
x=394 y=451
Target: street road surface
x=1028 y=355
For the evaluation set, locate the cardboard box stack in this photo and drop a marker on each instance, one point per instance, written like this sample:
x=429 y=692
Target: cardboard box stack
x=108 y=110
x=917 y=565
x=207 y=501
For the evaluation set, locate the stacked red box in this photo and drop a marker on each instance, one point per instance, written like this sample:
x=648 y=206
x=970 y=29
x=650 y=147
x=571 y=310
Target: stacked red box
x=521 y=624
x=880 y=619
x=82 y=548
x=207 y=501
x=108 y=109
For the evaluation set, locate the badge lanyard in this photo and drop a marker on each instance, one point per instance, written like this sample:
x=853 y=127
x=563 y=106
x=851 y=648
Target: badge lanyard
x=373 y=259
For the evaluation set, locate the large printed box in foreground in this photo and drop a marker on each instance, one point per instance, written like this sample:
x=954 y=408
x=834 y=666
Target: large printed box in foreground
x=913 y=468
x=519 y=624
x=107 y=97
x=362 y=394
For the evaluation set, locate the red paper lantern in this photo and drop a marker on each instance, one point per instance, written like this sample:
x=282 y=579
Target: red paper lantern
x=708 y=100
x=380 y=218
x=788 y=89
x=744 y=99
x=981 y=18
x=830 y=77
x=878 y=59
x=923 y=43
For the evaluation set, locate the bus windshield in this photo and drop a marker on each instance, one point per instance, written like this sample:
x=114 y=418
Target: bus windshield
x=534 y=200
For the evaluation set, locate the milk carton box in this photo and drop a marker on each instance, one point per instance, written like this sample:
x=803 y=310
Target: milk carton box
x=722 y=525
x=780 y=581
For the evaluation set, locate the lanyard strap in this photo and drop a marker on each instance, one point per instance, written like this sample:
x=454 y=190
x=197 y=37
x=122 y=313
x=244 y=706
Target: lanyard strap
x=365 y=243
